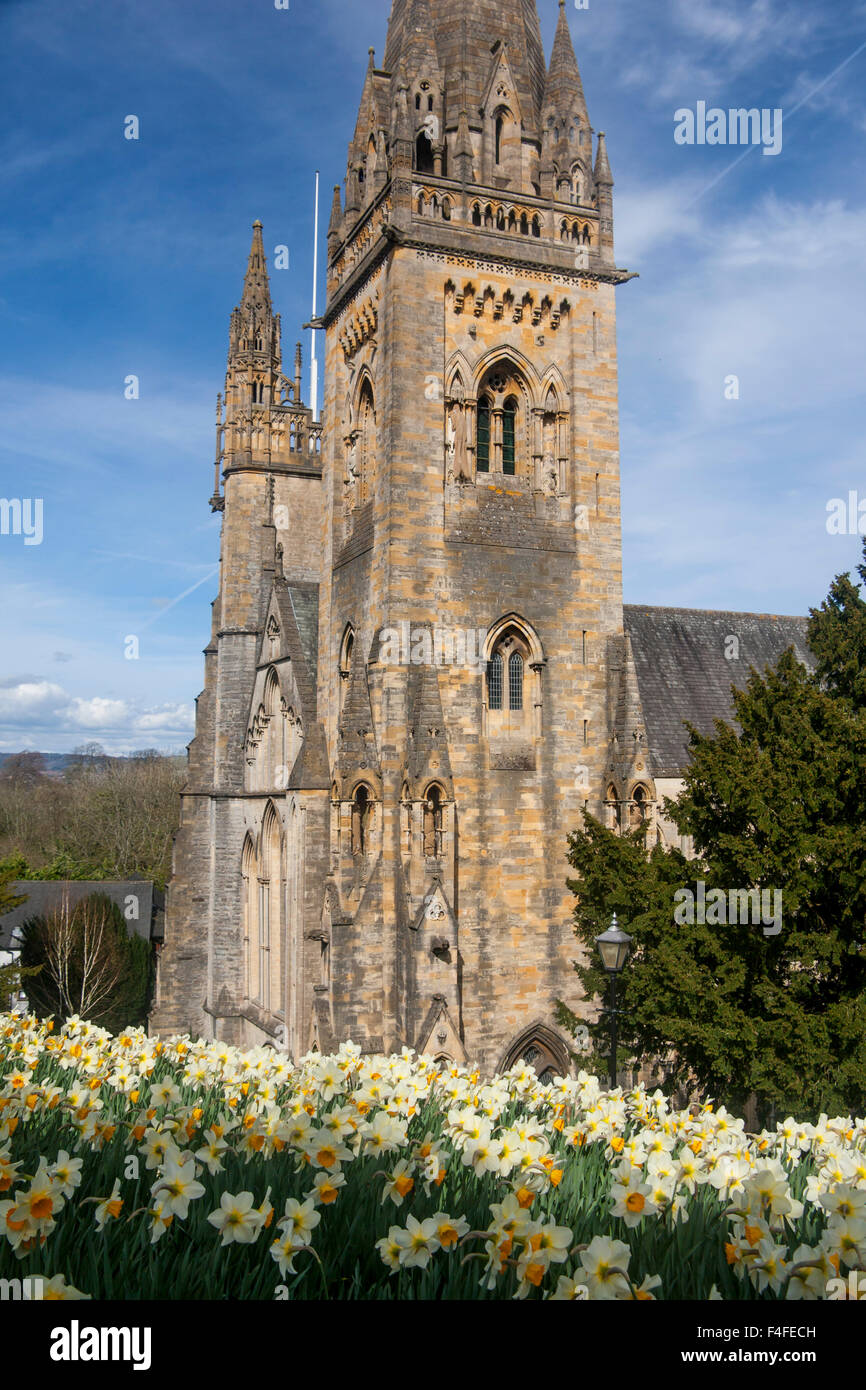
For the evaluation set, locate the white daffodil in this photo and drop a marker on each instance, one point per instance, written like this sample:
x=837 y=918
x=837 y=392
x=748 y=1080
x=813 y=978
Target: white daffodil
x=65 y=1171
x=177 y=1187
x=210 y=1153
x=299 y=1220
x=237 y=1218
x=419 y=1241
x=632 y=1201
x=110 y=1209
x=569 y=1290
x=391 y=1248
x=56 y=1290
x=605 y=1264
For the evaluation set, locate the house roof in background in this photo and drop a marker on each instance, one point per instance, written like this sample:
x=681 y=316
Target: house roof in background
x=45 y=895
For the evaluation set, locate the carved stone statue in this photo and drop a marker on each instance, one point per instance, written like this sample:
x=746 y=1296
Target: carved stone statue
x=456 y=445
x=350 y=481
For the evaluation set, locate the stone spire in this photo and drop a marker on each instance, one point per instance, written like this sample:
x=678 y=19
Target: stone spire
x=563 y=92
x=257 y=292
x=472 y=27
x=463 y=154
x=604 y=184
x=335 y=225
x=603 y=176
x=254 y=328
x=419 y=44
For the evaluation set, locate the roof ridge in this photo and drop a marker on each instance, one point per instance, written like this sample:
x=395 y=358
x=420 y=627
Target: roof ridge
x=722 y=612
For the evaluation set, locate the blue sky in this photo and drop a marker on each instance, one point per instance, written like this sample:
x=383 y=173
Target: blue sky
x=126 y=257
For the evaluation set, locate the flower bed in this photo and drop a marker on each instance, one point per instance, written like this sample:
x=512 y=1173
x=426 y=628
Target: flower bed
x=133 y=1167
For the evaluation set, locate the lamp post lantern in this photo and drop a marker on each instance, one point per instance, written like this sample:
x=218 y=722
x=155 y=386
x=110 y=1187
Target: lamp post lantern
x=613 y=947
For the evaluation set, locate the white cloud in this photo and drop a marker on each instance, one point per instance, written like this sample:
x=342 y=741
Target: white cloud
x=29 y=699
x=653 y=217
x=168 y=717
x=97 y=713
x=40 y=713
x=727 y=24
x=745 y=482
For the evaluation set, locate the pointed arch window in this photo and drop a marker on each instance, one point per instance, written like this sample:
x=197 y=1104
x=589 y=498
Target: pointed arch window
x=423 y=154
x=250 y=923
x=499 y=128
x=270 y=894
x=367 y=442
x=540 y=1048
x=639 y=810
x=513 y=705
x=433 y=822
x=494 y=681
x=482 y=463
x=509 y=434
x=501 y=427
x=406 y=819
x=347 y=649
x=361 y=813
x=515 y=681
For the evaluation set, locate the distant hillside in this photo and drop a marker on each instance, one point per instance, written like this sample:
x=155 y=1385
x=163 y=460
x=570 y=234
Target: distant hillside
x=57 y=763
x=54 y=762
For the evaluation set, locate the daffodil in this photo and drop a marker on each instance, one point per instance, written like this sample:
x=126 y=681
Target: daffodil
x=449 y=1230
x=399 y=1182
x=66 y=1173
x=284 y=1251
x=569 y=1290
x=325 y=1151
x=605 y=1265
x=419 y=1241
x=299 y=1220
x=109 y=1209
x=845 y=1236
x=177 y=1186
x=39 y=1205
x=844 y=1201
x=632 y=1201
x=391 y=1248
x=237 y=1219
x=56 y=1290
x=211 y=1151
x=809 y=1273
x=326 y=1188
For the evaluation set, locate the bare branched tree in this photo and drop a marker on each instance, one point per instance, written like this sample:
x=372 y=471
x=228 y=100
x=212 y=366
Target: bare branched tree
x=81 y=962
x=113 y=817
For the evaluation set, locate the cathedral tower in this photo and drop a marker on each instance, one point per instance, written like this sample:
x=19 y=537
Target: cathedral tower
x=406 y=706
x=471 y=529
x=228 y=870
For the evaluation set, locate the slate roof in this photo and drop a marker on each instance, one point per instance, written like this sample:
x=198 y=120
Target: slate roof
x=44 y=895
x=683 y=672
x=305 y=605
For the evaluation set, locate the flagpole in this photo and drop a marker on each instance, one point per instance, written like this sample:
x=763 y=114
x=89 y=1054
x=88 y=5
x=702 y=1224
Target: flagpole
x=314 y=364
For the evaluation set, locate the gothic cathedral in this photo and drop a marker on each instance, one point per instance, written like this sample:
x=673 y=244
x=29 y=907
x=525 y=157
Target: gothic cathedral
x=420 y=671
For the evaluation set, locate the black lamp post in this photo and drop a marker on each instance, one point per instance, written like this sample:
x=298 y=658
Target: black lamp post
x=613 y=947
